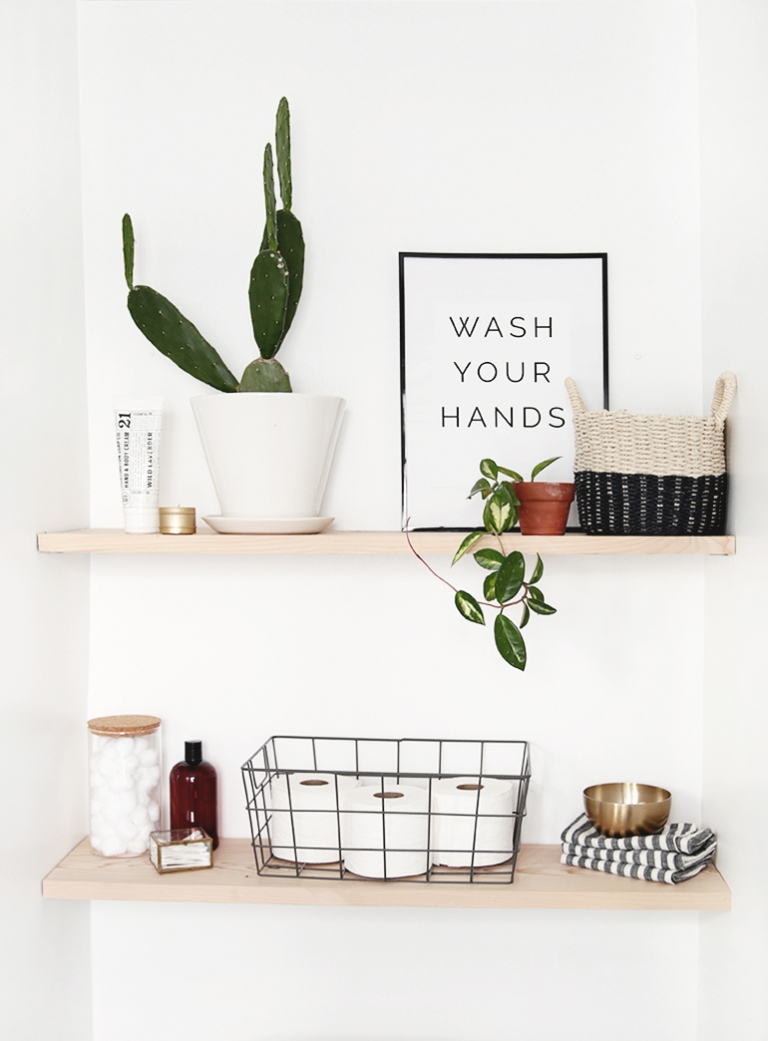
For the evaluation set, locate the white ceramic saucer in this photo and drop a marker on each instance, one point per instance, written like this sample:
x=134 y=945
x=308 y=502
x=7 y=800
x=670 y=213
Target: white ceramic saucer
x=251 y=526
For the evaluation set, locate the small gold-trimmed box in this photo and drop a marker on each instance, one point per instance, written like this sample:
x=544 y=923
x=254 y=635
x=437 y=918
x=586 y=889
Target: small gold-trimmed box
x=182 y=849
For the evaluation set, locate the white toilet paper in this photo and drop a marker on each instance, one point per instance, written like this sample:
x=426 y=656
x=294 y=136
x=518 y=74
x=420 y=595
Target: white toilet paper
x=395 y=819
x=458 y=803
x=304 y=823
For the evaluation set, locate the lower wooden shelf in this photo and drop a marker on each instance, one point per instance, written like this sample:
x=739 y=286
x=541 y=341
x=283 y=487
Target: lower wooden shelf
x=541 y=881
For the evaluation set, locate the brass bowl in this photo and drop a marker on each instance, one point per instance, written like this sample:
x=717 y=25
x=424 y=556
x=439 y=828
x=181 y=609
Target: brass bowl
x=627 y=809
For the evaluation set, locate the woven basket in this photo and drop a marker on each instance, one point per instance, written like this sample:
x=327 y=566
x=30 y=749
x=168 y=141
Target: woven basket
x=651 y=475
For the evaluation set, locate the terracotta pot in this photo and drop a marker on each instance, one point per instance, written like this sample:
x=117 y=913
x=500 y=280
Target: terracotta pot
x=544 y=506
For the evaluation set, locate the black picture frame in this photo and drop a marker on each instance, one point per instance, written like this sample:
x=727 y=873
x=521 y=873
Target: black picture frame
x=480 y=308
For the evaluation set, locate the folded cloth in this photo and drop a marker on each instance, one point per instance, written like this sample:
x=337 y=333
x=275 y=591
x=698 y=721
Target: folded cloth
x=674 y=838
x=649 y=874
x=655 y=858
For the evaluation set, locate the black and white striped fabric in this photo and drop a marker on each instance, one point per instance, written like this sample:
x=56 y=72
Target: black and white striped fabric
x=648 y=874
x=656 y=858
x=674 y=838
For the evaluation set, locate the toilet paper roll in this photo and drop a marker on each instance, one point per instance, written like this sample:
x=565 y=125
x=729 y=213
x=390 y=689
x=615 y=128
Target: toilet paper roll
x=304 y=824
x=460 y=803
x=384 y=831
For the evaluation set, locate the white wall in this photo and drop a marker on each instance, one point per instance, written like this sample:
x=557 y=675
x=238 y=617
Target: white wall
x=733 y=38
x=44 y=952
x=500 y=127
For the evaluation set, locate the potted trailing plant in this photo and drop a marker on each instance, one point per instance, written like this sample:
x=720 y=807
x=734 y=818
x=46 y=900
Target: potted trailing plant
x=543 y=506
x=269 y=449
x=505 y=585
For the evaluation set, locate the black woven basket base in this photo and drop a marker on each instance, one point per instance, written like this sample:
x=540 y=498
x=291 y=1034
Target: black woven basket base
x=642 y=504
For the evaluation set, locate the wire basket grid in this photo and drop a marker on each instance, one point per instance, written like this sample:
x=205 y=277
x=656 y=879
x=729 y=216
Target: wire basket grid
x=475 y=838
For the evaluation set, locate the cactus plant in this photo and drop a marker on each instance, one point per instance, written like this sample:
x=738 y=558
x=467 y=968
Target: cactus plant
x=273 y=294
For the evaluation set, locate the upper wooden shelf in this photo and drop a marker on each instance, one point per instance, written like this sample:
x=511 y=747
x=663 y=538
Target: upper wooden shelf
x=541 y=881
x=114 y=540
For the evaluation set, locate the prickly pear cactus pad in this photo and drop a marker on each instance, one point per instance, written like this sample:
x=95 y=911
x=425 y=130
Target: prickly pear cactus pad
x=268 y=296
x=265 y=375
x=166 y=327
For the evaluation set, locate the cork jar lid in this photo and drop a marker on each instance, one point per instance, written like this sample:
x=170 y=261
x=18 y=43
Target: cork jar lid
x=123 y=726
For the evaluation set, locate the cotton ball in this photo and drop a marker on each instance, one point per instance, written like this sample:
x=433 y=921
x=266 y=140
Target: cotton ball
x=138 y=845
x=126 y=830
x=96 y=843
x=130 y=763
x=118 y=805
x=153 y=812
x=113 y=847
x=107 y=766
x=121 y=782
x=140 y=815
x=97 y=779
x=147 y=757
x=140 y=745
x=147 y=777
x=125 y=746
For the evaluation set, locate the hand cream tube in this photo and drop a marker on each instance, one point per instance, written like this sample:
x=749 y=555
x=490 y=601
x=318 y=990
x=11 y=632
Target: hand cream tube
x=138 y=423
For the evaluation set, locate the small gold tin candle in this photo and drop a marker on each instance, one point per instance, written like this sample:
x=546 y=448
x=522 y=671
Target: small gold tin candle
x=177 y=520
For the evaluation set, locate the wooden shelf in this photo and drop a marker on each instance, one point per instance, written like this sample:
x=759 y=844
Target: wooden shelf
x=114 y=540
x=541 y=881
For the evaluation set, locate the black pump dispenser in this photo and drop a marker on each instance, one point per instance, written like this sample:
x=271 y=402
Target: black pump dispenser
x=193 y=752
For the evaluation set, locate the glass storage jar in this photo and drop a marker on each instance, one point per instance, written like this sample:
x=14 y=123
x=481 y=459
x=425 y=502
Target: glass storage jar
x=125 y=783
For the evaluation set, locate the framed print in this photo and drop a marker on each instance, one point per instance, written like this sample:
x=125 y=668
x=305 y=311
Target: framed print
x=487 y=341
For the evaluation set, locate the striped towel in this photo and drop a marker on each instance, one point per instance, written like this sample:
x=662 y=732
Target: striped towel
x=649 y=874
x=656 y=858
x=674 y=838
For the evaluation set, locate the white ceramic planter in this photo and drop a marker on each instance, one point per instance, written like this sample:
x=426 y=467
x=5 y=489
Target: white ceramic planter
x=269 y=454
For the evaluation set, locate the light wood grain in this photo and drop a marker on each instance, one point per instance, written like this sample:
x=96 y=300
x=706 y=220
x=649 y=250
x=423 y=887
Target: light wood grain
x=114 y=540
x=540 y=882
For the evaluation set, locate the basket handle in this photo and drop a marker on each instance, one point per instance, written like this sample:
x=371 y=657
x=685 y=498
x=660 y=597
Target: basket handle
x=576 y=403
x=725 y=388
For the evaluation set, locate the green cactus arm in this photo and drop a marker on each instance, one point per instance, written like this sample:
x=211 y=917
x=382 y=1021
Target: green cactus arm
x=268 y=299
x=290 y=244
x=177 y=338
x=283 y=147
x=265 y=375
x=269 y=197
x=128 y=249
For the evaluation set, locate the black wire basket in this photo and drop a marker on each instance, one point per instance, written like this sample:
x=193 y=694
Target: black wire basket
x=411 y=810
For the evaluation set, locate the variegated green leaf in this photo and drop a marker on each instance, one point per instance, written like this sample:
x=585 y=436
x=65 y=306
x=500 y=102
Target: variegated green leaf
x=538 y=571
x=509 y=642
x=512 y=493
x=541 y=608
x=542 y=466
x=467 y=545
x=489 y=469
x=524 y=617
x=510 y=473
x=489 y=586
x=534 y=593
x=498 y=515
x=510 y=577
x=490 y=559
x=469 y=607
x=480 y=486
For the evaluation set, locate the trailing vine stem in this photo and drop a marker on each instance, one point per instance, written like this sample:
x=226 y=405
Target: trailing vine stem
x=483 y=603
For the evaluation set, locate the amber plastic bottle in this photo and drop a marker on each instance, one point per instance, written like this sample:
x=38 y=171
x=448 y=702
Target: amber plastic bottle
x=193 y=792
